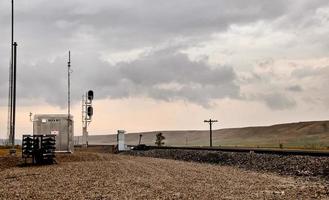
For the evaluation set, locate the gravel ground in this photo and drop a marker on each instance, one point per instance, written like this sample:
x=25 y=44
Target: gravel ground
x=8 y=162
x=307 y=166
x=108 y=176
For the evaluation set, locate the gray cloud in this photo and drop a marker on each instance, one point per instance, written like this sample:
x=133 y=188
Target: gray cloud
x=46 y=30
x=130 y=24
x=194 y=81
x=295 y=88
x=277 y=101
x=309 y=72
x=305 y=72
x=167 y=76
x=160 y=75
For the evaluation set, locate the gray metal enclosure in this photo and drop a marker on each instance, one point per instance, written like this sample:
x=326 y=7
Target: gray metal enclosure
x=56 y=124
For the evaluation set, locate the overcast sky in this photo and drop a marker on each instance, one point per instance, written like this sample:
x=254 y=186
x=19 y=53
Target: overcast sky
x=167 y=65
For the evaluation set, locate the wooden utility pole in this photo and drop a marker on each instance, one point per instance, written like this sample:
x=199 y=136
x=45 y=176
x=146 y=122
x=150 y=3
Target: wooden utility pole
x=210 y=121
x=140 y=139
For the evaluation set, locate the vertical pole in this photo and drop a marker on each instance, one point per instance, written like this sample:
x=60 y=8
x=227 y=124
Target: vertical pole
x=12 y=24
x=14 y=96
x=140 y=139
x=10 y=98
x=210 y=123
x=82 y=117
x=68 y=101
x=10 y=102
x=84 y=122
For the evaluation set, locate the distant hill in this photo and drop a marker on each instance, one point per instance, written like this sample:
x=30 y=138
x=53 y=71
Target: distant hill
x=4 y=142
x=302 y=134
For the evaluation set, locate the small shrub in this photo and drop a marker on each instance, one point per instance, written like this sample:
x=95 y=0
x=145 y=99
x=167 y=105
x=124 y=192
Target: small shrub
x=159 y=139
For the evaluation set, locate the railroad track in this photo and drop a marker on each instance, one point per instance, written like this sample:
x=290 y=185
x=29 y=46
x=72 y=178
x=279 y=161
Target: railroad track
x=322 y=153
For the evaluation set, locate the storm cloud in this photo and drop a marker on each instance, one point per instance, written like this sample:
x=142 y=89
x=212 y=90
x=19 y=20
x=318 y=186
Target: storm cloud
x=198 y=51
x=159 y=75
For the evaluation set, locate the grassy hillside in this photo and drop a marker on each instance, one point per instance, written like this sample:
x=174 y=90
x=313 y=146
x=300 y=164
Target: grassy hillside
x=302 y=134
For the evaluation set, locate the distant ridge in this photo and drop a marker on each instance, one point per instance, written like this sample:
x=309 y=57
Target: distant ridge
x=4 y=142
x=311 y=134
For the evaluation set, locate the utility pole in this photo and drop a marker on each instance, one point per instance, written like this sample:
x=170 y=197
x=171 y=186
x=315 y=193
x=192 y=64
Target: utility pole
x=210 y=121
x=140 y=139
x=12 y=86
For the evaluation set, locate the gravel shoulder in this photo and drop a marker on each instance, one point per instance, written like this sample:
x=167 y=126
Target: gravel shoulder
x=108 y=176
x=305 y=166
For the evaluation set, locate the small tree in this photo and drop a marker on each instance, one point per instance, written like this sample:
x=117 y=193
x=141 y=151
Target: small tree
x=159 y=139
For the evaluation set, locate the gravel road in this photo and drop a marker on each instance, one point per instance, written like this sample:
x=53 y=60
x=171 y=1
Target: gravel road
x=108 y=176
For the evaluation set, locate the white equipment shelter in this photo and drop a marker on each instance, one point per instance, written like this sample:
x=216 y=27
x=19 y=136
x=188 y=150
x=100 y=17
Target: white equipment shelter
x=56 y=124
x=121 y=140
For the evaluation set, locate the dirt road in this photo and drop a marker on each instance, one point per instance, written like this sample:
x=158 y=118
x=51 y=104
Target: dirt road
x=108 y=176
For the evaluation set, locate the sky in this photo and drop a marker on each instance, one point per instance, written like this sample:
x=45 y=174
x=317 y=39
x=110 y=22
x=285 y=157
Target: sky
x=168 y=65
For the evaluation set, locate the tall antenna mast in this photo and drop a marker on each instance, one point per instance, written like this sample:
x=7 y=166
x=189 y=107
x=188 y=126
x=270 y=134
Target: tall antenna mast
x=68 y=98
x=69 y=86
